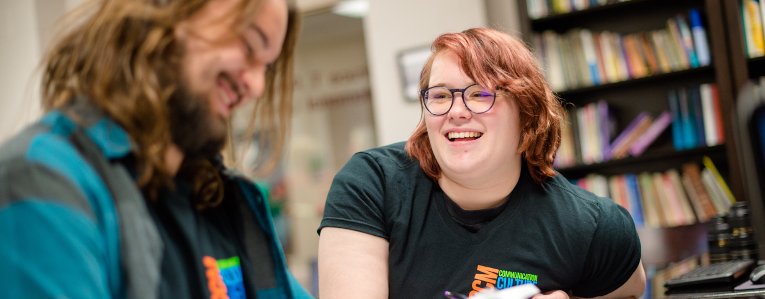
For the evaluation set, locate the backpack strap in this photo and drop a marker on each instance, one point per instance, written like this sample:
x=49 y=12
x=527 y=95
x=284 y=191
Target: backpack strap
x=140 y=243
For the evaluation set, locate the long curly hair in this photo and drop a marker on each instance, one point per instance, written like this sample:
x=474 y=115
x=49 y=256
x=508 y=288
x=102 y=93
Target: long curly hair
x=123 y=57
x=496 y=59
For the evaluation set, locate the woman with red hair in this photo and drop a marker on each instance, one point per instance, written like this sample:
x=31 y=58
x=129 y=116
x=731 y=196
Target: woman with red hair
x=471 y=201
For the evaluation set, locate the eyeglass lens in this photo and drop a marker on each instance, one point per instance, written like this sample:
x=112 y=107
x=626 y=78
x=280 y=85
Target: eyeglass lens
x=439 y=100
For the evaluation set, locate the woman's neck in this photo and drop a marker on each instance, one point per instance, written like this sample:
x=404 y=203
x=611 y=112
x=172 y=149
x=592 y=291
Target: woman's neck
x=480 y=193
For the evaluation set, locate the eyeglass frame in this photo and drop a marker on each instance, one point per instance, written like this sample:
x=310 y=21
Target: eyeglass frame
x=423 y=92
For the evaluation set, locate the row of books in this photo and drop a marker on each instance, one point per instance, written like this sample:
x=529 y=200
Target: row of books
x=692 y=194
x=581 y=58
x=542 y=8
x=752 y=19
x=589 y=134
x=697 y=116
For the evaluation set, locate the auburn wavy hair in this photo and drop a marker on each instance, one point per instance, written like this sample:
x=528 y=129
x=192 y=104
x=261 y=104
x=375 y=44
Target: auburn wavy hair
x=496 y=59
x=123 y=57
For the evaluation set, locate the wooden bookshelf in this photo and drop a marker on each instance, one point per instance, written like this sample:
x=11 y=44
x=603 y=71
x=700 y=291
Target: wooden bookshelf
x=657 y=159
x=632 y=96
x=727 y=70
x=743 y=69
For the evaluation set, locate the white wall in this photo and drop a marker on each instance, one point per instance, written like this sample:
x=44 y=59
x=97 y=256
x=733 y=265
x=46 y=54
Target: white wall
x=19 y=55
x=25 y=32
x=503 y=15
x=395 y=25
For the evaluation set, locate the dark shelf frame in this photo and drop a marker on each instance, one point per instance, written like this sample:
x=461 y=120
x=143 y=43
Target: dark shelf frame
x=608 y=8
x=652 y=156
x=636 y=81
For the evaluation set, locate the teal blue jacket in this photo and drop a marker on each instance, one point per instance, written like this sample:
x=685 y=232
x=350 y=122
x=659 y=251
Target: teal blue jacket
x=61 y=234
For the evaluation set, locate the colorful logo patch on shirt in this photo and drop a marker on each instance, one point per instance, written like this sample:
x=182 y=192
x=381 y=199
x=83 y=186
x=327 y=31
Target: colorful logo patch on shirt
x=488 y=278
x=224 y=278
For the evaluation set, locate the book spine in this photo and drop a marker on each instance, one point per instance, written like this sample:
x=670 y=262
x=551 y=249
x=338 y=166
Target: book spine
x=622 y=137
x=677 y=124
x=707 y=110
x=687 y=118
x=687 y=40
x=648 y=200
x=676 y=45
x=699 y=38
x=588 y=45
x=718 y=177
x=697 y=119
x=657 y=127
x=634 y=195
x=718 y=114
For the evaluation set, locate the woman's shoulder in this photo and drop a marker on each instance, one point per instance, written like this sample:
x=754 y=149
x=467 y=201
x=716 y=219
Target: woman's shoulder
x=391 y=160
x=391 y=155
x=572 y=197
x=384 y=167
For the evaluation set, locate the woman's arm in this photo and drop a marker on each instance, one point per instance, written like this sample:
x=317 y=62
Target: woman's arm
x=633 y=288
x=352 y=264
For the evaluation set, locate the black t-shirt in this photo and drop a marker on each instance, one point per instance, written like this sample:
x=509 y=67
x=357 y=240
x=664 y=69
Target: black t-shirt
x=554 y=235
x=203 y=250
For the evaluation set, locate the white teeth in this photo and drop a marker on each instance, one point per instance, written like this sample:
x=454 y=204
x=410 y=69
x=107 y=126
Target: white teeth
x=455 y=135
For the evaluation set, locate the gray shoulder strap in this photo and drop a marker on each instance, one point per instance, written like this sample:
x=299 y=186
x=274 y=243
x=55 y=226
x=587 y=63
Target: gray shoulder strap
x=140 y=243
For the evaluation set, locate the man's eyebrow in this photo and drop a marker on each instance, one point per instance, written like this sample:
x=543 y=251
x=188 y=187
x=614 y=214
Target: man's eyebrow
x=260 y=32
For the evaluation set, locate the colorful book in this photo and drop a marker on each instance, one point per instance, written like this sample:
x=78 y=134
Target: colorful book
x=649 y=200
x=617 y=191
x=715 y=191
x=672 y=177
x=620 y=147
x=692 y=173
x=710 y=112
x=648 y=52
x=753 y=32
x=687 y=117
x=553 y=65
x=676 y=45
x=657 y=127
x=718 y=177
x=687 y=40
x=668 y=207
x=701 y=45
x=693 y=199
x=566 y=155
x=591 y=58
x=696 y=114
x=634 y=196
x=658 y=38
x=602 y=69
x=678 y=141
x=605 y=125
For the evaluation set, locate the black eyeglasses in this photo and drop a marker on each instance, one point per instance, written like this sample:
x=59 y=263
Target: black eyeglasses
x=438 y=100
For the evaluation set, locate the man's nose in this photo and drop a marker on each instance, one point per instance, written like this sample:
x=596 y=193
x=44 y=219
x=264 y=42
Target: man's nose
x=253 y=80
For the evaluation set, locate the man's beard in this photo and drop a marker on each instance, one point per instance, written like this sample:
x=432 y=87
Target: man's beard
x=195 y=129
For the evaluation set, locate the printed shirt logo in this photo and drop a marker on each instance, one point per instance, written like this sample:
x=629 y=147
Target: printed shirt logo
x=224 y=278
x=488 y=278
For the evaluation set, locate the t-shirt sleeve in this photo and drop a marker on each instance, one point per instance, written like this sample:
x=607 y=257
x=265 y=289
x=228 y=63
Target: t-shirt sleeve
x=614 y=253
x=355 y=199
